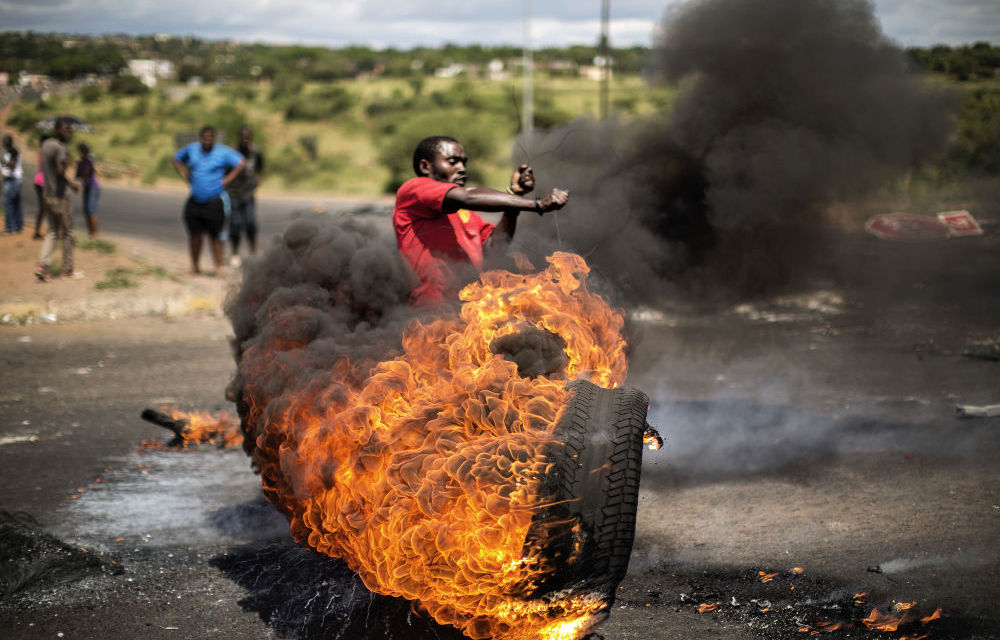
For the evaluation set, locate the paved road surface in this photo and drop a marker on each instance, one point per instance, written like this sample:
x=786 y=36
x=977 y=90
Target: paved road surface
x=156 y=215
x=815 y=432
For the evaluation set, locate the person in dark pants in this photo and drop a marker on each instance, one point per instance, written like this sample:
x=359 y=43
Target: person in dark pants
x=242 y=196
x=208 y=168
x=86 y=177
x=13 y=176
x=58 y=207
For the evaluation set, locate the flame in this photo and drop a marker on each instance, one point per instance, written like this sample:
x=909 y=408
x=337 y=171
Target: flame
x=886 y=621
x=708 y=607
x=768 y=577
x=203 y=427
x=934 y=616
x=903 y=606
x=828 y=627
x=422 y=472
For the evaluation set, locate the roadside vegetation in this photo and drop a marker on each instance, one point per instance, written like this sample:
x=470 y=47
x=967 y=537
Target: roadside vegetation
x=345 y=136
x=128 y=278
x=346 y=120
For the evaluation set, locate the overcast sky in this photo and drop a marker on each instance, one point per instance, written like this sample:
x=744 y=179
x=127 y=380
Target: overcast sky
x=407 y=23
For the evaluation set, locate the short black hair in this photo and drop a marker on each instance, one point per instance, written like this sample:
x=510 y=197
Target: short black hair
x=62 y=120
x=426 y=149
x=207 y=127
x=83 y=147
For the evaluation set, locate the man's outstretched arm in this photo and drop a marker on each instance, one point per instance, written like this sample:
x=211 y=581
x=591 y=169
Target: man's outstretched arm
x=485 y=199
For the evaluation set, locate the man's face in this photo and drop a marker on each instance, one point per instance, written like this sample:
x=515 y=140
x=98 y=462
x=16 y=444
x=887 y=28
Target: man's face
x=63 y=131
x=8 y=142
x=246 y=137
x=447 y=165
x=207 y=139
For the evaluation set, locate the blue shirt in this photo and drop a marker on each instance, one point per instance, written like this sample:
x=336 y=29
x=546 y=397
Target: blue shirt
x=207 y=169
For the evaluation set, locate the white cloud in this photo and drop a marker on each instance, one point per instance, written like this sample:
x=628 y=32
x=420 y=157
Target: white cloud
x=406 y=23
x=928 y=22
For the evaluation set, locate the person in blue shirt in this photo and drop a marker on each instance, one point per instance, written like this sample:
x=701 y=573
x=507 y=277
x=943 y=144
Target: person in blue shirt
x=208 y=168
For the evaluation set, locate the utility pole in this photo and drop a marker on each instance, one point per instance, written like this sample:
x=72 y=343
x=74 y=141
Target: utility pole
x=528 y=98
x=605 y=53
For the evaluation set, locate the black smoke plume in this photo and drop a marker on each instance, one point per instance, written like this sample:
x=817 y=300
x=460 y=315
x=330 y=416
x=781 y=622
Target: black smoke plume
x=784 y=106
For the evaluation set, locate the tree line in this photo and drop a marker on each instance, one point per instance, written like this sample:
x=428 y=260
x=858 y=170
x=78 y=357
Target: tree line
x=978 y=61
x=64 y=57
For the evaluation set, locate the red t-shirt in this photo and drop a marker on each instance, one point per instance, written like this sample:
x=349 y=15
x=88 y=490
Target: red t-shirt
x=434 y=242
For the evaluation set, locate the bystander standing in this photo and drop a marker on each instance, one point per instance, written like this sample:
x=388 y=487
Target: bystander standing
x=39 y=183
x=242 y=196
x=13 y=176
x=58 y=208
x=208 y=168
x=86 y=176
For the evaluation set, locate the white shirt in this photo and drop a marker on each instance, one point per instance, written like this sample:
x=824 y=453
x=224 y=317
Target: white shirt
x=11 y=173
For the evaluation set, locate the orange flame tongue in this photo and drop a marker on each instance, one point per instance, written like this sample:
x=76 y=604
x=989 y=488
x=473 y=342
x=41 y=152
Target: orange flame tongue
x=200 y=427
x=886 y=621
x=423 y=473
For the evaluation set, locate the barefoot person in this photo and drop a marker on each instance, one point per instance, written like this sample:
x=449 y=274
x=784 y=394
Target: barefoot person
x=438 y=235
x=58 y=208
x=208 y=168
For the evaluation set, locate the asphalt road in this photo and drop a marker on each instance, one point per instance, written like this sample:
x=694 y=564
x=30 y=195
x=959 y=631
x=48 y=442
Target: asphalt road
x=156 y=214
x=810 y=438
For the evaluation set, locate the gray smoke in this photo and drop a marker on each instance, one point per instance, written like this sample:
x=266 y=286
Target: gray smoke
x=327 y=290
x=784 y=107
x=536 y=352
x=324 y=304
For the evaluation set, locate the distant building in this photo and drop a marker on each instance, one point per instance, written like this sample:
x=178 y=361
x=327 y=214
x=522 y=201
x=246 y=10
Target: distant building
x=451 y=71
x=495 y=70
x=597 y=70
x=36 y=80
x=150 y=71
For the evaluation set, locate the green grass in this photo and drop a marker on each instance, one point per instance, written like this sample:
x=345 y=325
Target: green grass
x=99 y=245
x=134 y=137
x=125 y=278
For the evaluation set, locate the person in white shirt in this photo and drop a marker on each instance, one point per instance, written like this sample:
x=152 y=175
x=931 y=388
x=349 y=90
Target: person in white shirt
x=13 y=176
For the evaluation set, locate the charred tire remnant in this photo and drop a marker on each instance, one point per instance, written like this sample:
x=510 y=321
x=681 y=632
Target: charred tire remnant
x=588 y=530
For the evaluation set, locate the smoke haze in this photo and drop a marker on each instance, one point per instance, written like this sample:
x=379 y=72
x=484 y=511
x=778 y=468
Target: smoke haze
x=784 y=107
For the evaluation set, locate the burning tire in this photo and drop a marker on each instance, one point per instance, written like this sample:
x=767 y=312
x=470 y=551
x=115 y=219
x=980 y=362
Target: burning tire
x=588 y=531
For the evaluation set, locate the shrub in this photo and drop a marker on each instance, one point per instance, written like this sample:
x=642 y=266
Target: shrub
x=91 y=94
x=320 y=105
x=311 y=145
x=127 y=85
x=976 y=145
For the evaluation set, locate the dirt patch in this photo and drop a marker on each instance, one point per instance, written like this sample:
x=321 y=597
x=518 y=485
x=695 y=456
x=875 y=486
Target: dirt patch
x=122 y=277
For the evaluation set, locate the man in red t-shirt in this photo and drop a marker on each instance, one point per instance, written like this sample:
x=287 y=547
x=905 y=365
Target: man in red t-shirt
x=438 y=234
